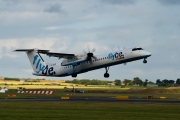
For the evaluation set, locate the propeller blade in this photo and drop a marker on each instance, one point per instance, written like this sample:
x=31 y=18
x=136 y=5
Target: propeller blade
x=88 y=48
x=84 y=52
x=93 y=50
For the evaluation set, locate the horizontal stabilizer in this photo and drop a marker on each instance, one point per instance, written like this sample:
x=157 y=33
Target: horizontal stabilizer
x=24 y=50
x=29 y=50
x=50 y=54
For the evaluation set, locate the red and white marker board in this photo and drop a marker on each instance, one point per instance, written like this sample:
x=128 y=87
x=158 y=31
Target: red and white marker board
x=37 y=91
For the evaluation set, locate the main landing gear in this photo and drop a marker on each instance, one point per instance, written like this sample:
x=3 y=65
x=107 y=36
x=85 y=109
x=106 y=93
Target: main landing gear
x=144 y=61
x=106 y=74
x=74 y=75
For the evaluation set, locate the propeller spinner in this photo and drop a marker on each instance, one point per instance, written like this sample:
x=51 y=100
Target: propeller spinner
x=90 y=55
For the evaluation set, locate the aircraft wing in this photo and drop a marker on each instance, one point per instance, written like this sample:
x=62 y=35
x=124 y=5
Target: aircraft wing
x=59 y=55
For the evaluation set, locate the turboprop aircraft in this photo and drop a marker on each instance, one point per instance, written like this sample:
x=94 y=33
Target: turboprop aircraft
x=73 y=64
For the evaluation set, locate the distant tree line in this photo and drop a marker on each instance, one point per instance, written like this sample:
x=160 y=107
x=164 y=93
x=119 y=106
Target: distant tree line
x=136 y=81
x=15 y=79
x=27 y=80
x=126 y=82
x=166 y=82
x=88 y=82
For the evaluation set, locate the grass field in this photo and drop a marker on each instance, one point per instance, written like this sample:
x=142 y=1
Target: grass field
x=87 y=111
x=15 y=110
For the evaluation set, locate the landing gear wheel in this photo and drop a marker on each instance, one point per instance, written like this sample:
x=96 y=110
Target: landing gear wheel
x=106 y=75
x=144 y=61
x=74 y=75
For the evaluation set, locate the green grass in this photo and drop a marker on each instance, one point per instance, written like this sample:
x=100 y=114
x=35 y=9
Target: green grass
x=87 y=111
x=15 y=110
x=134 y=93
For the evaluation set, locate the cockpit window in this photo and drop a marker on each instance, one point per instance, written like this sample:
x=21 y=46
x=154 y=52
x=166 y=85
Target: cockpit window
x=139 y=48
x=135 y=49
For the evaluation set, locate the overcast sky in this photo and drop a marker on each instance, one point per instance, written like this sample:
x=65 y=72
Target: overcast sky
x=68 y=26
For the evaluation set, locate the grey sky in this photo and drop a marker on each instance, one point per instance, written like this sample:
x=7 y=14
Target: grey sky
x=69 y=26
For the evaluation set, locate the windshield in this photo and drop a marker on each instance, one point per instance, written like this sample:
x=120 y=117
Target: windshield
x=134 y=49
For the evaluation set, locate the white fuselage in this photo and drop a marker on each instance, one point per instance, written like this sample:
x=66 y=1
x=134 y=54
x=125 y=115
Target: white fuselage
x=101 y=61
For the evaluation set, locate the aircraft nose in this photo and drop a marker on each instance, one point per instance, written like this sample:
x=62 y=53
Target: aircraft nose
x=148 y=54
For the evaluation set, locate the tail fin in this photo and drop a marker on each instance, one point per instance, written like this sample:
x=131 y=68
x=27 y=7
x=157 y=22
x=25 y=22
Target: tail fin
x=35 y=59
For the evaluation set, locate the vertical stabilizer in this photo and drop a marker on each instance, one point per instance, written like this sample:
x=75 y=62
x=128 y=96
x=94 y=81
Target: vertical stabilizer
x=35 y=59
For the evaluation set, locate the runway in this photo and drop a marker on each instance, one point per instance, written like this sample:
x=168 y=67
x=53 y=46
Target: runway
x=93 y=99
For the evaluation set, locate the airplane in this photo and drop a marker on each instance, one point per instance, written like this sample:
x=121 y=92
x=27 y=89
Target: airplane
x=3 y=89
x=73 y=64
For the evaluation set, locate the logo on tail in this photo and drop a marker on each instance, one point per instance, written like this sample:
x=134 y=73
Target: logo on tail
x=38 y=64
x=40 y=67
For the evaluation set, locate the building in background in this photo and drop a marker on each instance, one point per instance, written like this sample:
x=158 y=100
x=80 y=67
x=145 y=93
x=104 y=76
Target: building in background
x=1 y=78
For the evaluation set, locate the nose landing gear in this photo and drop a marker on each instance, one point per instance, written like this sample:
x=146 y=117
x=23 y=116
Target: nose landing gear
x=145 y=61
x=106 y=74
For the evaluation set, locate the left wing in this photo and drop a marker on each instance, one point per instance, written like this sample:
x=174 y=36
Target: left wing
x=72 y=59
x=59 y=55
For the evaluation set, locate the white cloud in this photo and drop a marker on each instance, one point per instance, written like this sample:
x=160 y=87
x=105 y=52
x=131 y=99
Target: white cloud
x=137 y=72
x=28 y=43
x=9 y=18
x=90 y=16
x=28 y=71
x=53 y=28
x=99 y=48
x=146 y=43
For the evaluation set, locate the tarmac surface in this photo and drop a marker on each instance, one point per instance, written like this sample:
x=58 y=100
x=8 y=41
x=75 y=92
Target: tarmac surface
x=93 y=99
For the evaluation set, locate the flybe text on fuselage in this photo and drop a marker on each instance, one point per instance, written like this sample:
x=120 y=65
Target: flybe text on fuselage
x=116 y=56
x=40 y=68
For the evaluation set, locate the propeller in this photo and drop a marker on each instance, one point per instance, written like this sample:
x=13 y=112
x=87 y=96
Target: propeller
x=90 y=54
